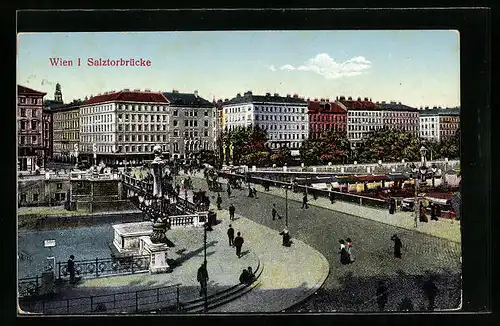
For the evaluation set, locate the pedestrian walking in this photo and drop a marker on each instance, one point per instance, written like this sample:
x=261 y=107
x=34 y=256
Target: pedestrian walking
x=230 y=235
x=430 y=291
x=397 y=245
x=231 y=212
x=438 y=211
x=254 y=193
x=202 y=277
x=433 y=212
x=392 y=206
x=381 y=295
x=238 y=243
x=71 y=269
x=331 y=195
x=274 y=212
x=344 y=256
x=304 y=201
x=228 y=190
x=423 y=217
x=349 y=250
x=219 y=201
x=185 y=194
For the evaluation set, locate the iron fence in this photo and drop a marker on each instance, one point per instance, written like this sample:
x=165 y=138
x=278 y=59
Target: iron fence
x=165 y=298
x=28 y=287
x=108 y=266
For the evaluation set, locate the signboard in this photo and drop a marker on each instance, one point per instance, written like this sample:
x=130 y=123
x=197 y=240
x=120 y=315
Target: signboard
x=94 y=147
x=49 y=243
x=75 y=147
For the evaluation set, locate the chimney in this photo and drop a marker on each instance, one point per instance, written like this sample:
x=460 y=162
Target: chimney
x=376 y=102
x=238 y=95
x=137 y=90
x=342 y=98
x=370 y=99
x=315 y=99
x=308 y=99
x=383 y=102
x=247 y=94
x=98 y=94
x=295 y=95
x=225 y=100
x=147 y=90
x=195 y=93
x=327 y=100
x=366 y=99
x=399 y=103
x=175 y=91
x=126 y=89
x=268 y=94
x=276 y=94
x=349 y=98
x=359 y=98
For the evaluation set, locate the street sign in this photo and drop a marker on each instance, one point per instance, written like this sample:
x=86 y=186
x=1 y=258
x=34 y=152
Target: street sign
x=49 y=243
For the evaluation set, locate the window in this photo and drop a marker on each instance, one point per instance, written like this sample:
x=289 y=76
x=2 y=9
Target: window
x=206 y=113
x=206 y=123
x=23 y=197
x=196 y=123
x=33 y=113
x=23 y=112
x=176 y=113
x=33 y=139
x=23 y=125
x=59 y=185
x=175 y=123
x=176 y=133
x=205 y=133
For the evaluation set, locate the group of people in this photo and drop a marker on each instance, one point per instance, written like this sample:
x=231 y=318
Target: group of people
x=435 y=212
x=346 y=254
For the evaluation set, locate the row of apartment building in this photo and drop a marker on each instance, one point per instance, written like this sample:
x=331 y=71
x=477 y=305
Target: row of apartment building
x=126 y=125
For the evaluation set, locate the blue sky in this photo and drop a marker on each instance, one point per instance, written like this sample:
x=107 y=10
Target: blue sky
x=418 y=68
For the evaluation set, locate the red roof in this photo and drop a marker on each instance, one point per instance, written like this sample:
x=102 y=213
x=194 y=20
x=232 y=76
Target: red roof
x=317 y=107
x=27 y=90
x=129 y=96
x=350 y=104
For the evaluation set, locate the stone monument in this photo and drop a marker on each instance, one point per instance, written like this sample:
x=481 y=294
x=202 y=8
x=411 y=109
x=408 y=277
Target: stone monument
x=156 y=244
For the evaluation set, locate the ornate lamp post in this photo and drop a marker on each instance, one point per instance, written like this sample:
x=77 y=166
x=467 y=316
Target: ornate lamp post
x=433 y=169
x=419 y=172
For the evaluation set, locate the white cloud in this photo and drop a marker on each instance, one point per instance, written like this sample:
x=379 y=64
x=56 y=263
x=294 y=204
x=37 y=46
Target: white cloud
x=287 y=67
x=271 y=67
x=324 y=65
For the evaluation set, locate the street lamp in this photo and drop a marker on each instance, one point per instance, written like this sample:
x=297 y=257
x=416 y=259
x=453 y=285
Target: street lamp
x=286 y=201
x=433 y=169
x=419 y=172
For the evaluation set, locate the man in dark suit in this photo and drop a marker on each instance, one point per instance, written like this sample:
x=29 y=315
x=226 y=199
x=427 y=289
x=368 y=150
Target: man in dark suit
x=231 y=212
x=71 y=269
x=238 y=243
x=230 y=235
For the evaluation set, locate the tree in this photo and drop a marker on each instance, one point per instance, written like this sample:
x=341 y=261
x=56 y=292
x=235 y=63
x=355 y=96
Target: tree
x=390 y=145
x=247 y=141
x=330 y=146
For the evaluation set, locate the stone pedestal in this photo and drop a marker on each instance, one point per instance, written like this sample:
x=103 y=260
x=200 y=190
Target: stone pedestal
x=47 y=286
x=126 y=239
x=158 y=253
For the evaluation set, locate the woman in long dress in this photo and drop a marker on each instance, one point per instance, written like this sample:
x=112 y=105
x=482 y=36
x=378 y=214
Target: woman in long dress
x=349 y=250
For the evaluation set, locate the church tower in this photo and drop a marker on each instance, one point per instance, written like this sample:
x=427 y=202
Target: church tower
x=58 y=94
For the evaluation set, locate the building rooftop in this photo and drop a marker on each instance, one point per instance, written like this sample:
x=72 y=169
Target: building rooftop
x=187 y=100
x=65 y=107
x=439 y=111
x=128 y=96
x=396 y=107
x=28 y=91
x=248 y=97
x=322 y=107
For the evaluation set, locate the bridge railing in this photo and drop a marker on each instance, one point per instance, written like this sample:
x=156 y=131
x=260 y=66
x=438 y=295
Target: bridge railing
x=28 y=287
x=341 y=196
